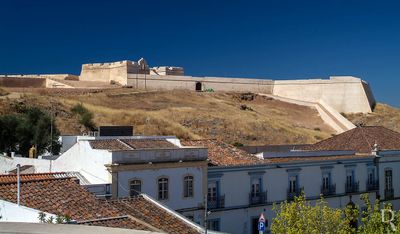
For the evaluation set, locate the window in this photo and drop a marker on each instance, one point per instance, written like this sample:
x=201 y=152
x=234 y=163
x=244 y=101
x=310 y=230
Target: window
x=325 y=181
x=212 y=192
x=213 y=225
x=371 y=176
x=188 y=186
x=255 y=187
x=388 y=179
x=135 y=187
x=349 y=179
x=163 y=189
x=293 y=184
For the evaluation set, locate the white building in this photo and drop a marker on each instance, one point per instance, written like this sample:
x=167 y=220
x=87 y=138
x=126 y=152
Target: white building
x=241 y=186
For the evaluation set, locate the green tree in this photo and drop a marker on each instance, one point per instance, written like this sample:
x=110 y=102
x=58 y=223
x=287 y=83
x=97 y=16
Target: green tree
x=30 y=127
x=299 y=216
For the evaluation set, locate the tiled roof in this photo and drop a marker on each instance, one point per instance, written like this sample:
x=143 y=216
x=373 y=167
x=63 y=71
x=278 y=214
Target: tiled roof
x=12 y=178
x=360 y=139
x=57 y=196
x=131 y=144
x=64 y=196
x=315 y=158
x=149 y=144
x=119 y=222
x=144 y=209
x=109 y=144
x=223 y=154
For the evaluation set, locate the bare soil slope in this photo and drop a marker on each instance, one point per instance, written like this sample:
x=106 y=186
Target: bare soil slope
x=231 y=117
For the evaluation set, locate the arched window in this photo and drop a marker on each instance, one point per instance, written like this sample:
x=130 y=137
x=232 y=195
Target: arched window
x=135 y=187
x=163 y=188
x=188 y=186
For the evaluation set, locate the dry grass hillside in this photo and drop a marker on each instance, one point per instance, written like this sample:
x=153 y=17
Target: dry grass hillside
x=231 y=117
x=383 y=115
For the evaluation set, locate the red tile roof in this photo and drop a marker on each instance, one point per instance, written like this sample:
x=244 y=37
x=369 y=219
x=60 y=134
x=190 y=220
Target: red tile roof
x=142 y=208
x=65 y=197
x=12 y=178
x=119 y=222
x=131 y=144
x=360 y=139
x=223 y=154
x=149 y=144
x=110 y=144
x=316 y=158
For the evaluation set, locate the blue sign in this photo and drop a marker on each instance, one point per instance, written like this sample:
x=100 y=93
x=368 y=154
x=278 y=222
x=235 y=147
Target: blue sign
x=261 y=226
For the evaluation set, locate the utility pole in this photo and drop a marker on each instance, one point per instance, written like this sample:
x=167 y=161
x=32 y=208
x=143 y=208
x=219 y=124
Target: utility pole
x=205 y=213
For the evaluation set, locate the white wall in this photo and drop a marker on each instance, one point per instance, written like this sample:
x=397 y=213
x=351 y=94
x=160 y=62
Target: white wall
x=11 y=212
x=175 y=175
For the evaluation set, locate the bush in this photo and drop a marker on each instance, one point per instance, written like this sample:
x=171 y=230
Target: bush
x=84 y=115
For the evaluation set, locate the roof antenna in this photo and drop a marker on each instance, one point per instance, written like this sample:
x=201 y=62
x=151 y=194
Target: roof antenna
x=18 y=183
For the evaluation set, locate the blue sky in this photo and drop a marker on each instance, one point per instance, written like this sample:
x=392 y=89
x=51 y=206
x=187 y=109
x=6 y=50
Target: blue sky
x=265 y=39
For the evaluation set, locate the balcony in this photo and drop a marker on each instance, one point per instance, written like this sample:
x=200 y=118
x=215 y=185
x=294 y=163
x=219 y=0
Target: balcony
x=292 y=194
x=216 y=202
x=258 y=198
x=373 y=185
x=352 y=187
x=328 y=191
x=389 y=194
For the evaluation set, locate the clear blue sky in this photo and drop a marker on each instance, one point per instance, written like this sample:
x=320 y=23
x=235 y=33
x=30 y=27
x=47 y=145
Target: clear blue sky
x=267 y=39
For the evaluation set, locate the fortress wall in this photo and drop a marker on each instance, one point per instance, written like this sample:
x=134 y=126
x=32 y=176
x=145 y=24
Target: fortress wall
x=105 y=72
x=344 y=94
x=189 y=82
x=22 y=82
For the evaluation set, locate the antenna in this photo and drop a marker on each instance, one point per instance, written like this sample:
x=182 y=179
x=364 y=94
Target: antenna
x=18 y=183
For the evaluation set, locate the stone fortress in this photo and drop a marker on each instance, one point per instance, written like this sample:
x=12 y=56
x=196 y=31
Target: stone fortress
x=331 y=97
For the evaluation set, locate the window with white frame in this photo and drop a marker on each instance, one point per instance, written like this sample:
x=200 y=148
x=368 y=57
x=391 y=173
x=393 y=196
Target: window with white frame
x=188 y=186
x=349 y=178
x=255 y=187
x=212 y=191
x=135 y=187
x=163 y=188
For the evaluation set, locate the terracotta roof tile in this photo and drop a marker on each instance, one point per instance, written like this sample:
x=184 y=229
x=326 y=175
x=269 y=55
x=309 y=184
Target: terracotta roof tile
x=149 y=144
x=316 y=158
x=143 y=209
x=109 y=144
x=64 y=196
x=360 y=139
x=223 y=154
x=119 y=222
x=12 y=178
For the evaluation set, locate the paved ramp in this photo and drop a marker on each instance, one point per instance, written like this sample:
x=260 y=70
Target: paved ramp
x=328 y=114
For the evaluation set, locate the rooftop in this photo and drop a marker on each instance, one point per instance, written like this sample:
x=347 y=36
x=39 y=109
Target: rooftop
x=360 y=139
x=223 y=154
x=131 y=144
x=65 y=197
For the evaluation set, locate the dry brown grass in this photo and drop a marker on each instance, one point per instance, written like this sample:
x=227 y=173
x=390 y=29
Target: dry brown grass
x=190 y=115
x=383 y=115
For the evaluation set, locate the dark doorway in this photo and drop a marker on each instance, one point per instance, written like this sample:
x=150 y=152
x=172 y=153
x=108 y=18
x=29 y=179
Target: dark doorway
x=198 y=86
x=254 y=226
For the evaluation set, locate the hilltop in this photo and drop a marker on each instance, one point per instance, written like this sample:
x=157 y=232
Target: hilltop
x=232 y=117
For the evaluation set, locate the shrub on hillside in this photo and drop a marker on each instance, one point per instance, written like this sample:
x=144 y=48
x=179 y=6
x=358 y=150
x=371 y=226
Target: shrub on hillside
x=84 y=115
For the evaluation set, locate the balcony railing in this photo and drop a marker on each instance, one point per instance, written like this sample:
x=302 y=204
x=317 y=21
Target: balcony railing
x=352 y=187
x=216 y=202
x=372 y=185
x=328 y=191
x=258 y=198
x=292 y=194
x=389 y=194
